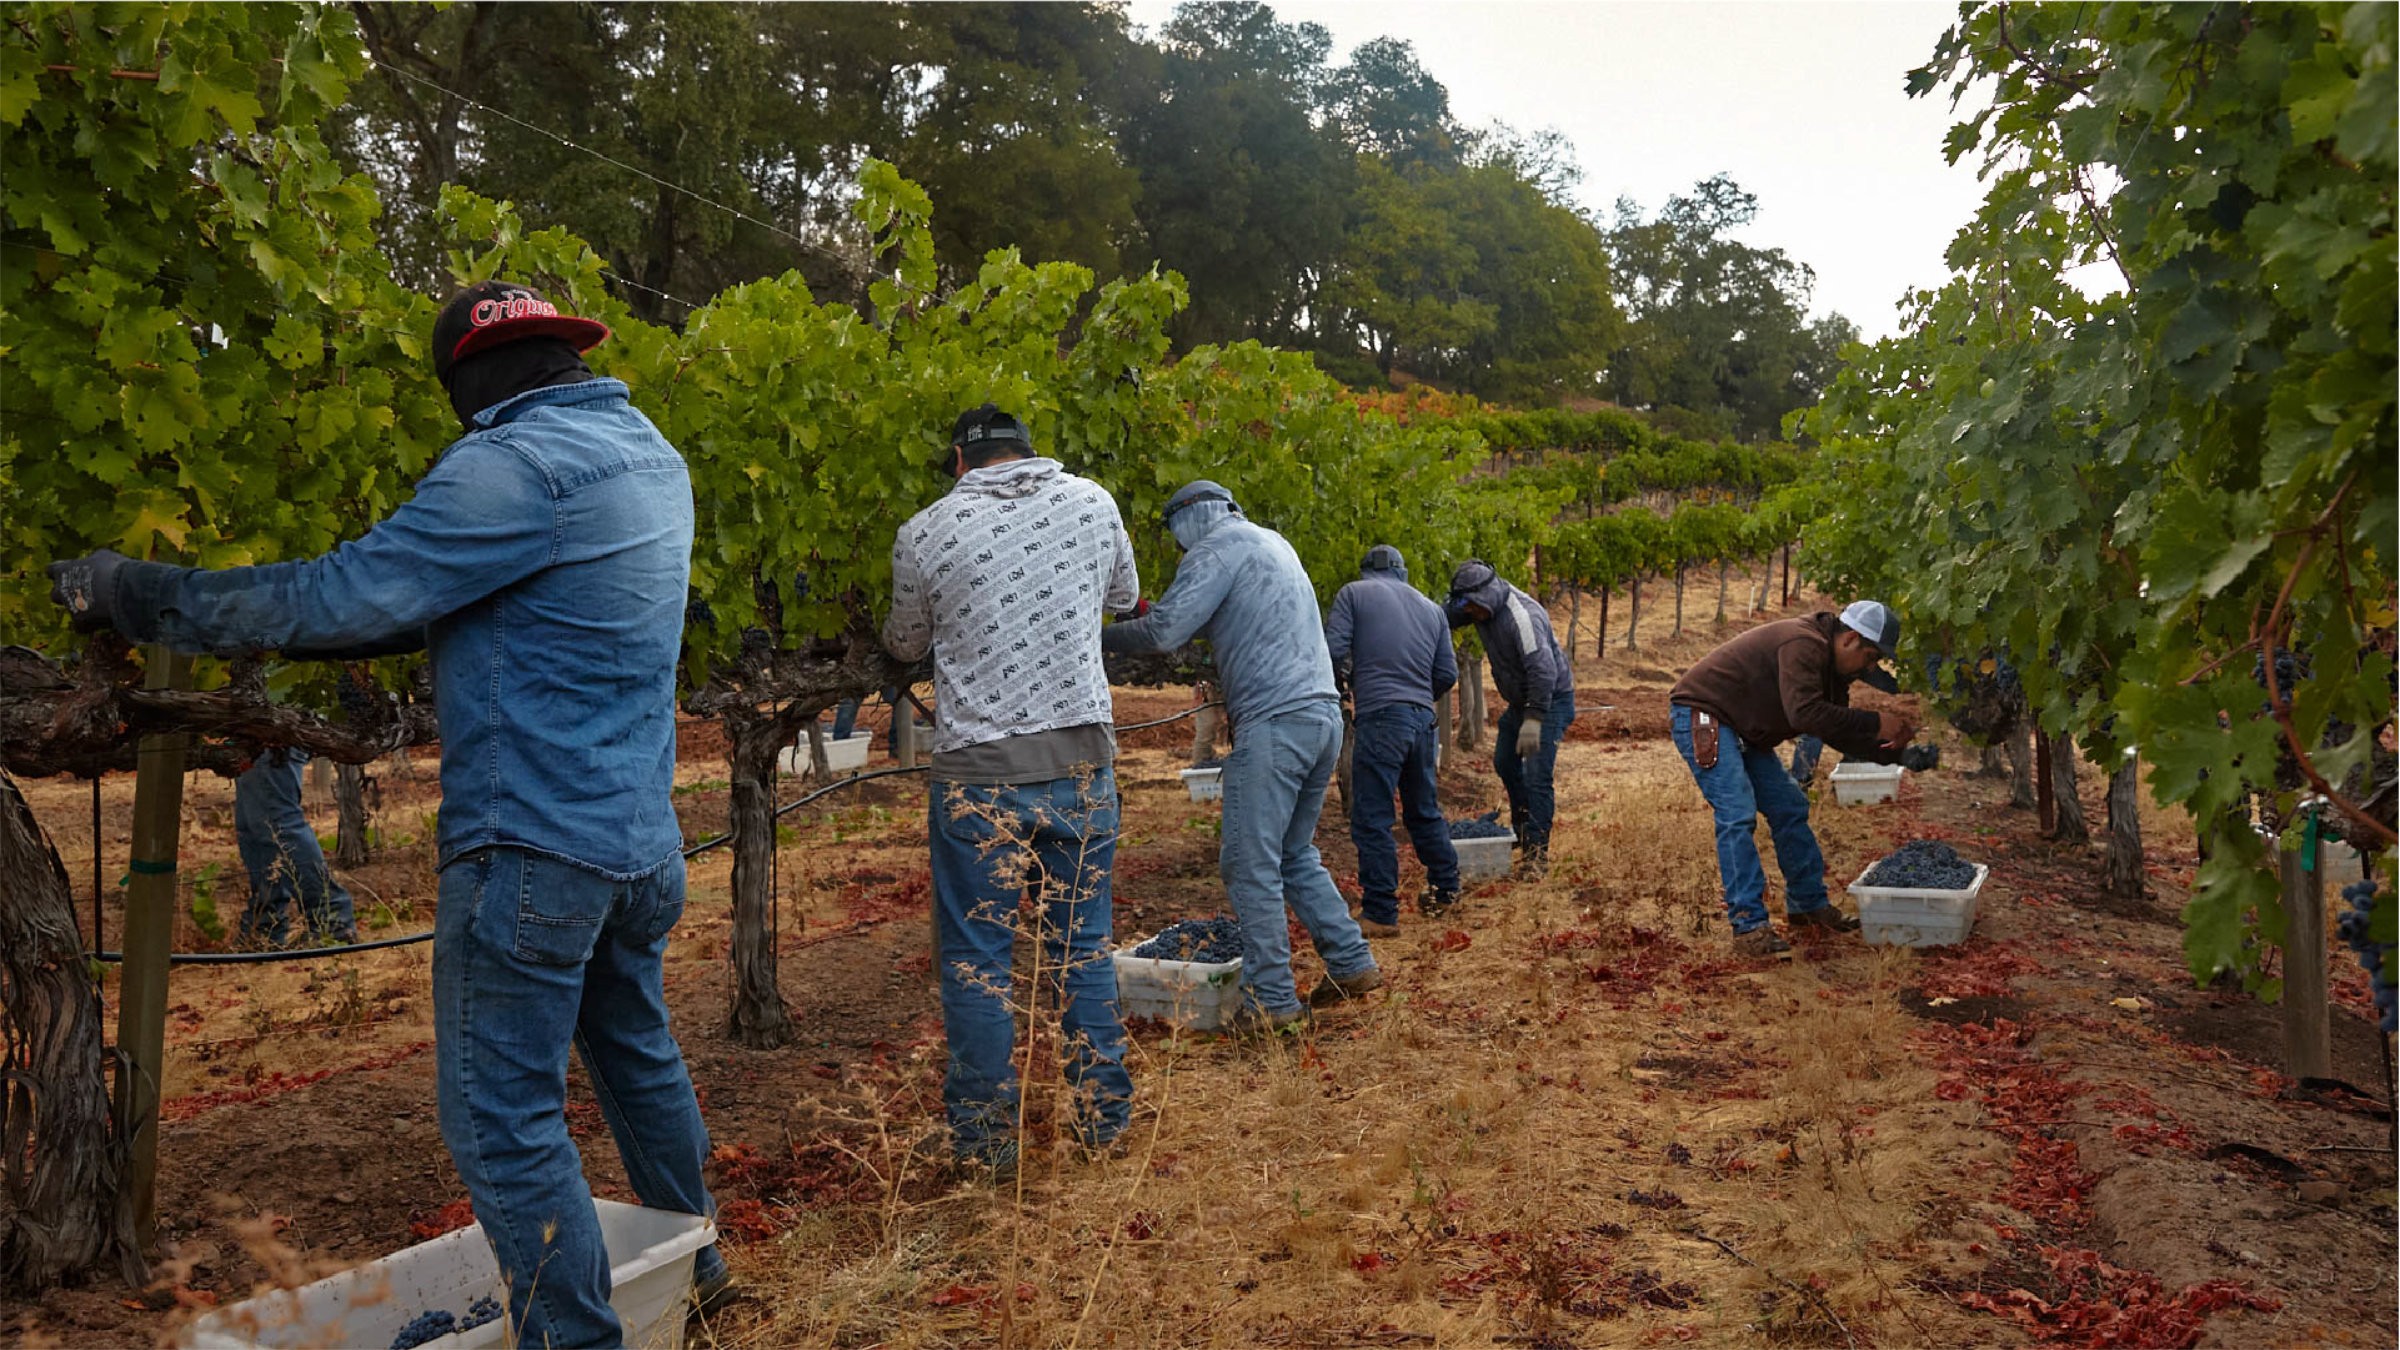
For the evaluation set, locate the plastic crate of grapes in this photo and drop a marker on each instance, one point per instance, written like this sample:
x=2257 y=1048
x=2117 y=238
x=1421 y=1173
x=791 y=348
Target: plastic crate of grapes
x=387 y=1300
x=1205 y=785
x=1484 y=849
x=1913 y=916
x=1860 y=784
x=1197 y=995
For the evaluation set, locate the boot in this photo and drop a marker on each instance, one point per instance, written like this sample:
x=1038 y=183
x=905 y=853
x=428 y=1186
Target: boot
x=1433 y=902
x=1761 y=941
x=1336 y=989
x=1533 y=859
x=1378 y=930
x=1826 y=920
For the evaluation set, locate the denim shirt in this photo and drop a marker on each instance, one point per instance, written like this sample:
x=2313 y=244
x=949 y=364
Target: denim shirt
x=543 y=563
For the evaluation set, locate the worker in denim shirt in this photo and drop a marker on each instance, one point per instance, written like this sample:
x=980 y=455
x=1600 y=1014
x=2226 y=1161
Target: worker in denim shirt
x=543 y=563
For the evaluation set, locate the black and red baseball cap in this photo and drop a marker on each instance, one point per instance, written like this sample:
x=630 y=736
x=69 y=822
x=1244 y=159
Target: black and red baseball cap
x=490 y=313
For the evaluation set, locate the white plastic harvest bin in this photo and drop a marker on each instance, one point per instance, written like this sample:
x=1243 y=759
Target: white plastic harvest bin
x=1200 y=995
x=1860 y=784
x=1205 y=785
x=842 y=756
x=650 y=1268
x=1908 y=916
x=1484 y=859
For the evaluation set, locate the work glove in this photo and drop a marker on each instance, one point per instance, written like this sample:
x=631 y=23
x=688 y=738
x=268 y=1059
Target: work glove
x=1141 y=607
x=1529 y=738
x=86 y=588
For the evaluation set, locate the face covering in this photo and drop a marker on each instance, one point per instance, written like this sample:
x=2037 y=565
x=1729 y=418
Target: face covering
x=505 y=371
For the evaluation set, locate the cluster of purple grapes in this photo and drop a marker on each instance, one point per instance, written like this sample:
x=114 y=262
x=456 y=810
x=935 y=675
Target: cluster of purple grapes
x=1206 y=940
x=2358 y=909
x=432 y=1326
x=1485 y=826
x=1924 y=864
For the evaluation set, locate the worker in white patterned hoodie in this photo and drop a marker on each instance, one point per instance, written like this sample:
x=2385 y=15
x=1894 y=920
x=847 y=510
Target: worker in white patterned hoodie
x=1004 y=580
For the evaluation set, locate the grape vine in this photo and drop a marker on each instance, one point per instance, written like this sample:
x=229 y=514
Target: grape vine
x=2151 y=486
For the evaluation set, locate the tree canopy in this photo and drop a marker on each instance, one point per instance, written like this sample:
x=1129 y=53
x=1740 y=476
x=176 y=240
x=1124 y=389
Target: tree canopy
x=1330 y=204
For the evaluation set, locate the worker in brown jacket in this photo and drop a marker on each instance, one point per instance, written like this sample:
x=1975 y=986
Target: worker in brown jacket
x=1730 y=712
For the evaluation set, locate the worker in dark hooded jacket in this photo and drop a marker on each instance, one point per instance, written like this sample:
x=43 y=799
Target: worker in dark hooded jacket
x=1243 y=588
x=1731 y=711
x=1535 y=680
x=1394 y=647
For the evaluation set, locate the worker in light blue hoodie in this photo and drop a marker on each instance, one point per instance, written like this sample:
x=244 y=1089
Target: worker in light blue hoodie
x=1538 y=684
x=1242 y=588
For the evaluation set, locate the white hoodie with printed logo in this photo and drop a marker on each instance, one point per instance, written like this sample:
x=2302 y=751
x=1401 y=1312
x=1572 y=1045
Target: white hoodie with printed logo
x=1004 y=580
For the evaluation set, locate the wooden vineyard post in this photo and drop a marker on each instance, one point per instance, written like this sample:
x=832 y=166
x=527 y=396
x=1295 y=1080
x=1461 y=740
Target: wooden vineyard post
x=2307 y=1027
x=818 y=766
x=149 y=936
x=350 y=847
x=904 y=731
x=1470 y=703
x=1444 y=717
x=2044 y=804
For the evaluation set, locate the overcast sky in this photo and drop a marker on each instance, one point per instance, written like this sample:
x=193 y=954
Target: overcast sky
x=1801 y=102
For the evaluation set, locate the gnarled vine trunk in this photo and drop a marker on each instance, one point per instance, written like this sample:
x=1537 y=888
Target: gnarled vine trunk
x=1724 y=587
x=758 y=1017
x=61 y=1158
x=2072 y=827
x=1633 y=625
x=2125 y=831
x=1602 y=649
x=1207 y=725
x=1678 y=604
x=2019 y=745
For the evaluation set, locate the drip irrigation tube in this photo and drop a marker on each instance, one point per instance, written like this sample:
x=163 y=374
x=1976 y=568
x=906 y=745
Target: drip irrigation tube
x=382 y=944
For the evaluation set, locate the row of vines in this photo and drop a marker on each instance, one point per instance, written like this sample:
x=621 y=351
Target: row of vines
x=2140 y=448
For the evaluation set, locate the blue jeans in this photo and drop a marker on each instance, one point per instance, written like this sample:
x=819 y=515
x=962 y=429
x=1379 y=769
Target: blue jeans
x=1532 y=800
x=280 y=852
x=1394 y=750
x=1274 y=789
x=845 y=716
x=1805 y=753
x=1743 y=785
x=531 y=955
x=990 y=845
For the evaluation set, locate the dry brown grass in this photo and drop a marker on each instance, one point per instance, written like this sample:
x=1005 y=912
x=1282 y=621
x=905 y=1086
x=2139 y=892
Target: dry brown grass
x=1503 y=1149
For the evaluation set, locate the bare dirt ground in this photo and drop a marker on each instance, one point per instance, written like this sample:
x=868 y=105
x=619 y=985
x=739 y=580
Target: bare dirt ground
x=1573 y=1119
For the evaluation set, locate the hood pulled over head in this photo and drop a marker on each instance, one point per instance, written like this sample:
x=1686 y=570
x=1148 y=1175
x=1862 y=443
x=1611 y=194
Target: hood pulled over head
x=1477 y=582
x=1196 y=510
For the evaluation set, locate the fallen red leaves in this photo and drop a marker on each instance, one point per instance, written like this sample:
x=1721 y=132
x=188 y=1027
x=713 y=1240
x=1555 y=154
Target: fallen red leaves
x=1974 y=969
x=909 y=896
x=2022 y=1098
x=275 y=1084
x=1453 y=940
x=449 y=1218
x=2095 y=1306
x=2109 y=1306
